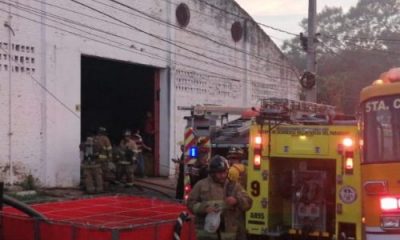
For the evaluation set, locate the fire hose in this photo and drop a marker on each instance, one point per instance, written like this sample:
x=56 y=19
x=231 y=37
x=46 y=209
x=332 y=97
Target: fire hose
x=183 y=217
x=23 y=207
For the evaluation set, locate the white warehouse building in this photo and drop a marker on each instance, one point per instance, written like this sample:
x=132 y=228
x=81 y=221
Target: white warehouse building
x=68 y=67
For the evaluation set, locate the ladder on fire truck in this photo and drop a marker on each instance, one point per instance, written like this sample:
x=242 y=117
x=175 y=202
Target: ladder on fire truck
x=286 y=110
x=276 y=111
x=204 y=110
x=221 y=112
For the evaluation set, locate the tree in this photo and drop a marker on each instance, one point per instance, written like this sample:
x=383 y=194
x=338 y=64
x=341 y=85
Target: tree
x=353 y=49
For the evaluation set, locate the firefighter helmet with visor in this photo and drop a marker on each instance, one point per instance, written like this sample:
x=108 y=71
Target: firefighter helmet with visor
x=218 y=164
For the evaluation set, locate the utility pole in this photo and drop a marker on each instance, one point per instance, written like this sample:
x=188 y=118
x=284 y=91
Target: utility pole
x=11 y=33
x=311 y=94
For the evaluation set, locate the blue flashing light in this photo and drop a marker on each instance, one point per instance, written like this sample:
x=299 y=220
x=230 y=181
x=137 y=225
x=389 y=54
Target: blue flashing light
x=193 y=152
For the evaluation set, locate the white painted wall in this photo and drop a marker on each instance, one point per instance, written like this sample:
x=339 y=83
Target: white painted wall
x=259 y=69
x=40 y=120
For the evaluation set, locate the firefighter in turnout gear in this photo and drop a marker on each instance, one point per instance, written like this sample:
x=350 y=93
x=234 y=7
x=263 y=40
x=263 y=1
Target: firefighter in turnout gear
x=237 y=170
x=127 y=163
x=91 y=169
x=137 y=138
x=103 y=153
x=237 y=173
x=216 y=194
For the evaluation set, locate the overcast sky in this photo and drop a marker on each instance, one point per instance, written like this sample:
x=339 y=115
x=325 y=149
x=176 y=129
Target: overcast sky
x=286 y=14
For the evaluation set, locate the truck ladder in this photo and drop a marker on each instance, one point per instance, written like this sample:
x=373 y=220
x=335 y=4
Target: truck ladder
x=291 y=110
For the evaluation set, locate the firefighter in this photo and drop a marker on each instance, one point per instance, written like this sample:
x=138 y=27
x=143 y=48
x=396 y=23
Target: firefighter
x=127 y=163
x=149 y=130
x=139 y=155
x=198 y=166
x=216 y=194
x=103 y=153
x=91 y=169
x=237 y=170
x=237 y=173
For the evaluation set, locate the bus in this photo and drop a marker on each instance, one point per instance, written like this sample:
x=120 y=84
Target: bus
x=380 y=164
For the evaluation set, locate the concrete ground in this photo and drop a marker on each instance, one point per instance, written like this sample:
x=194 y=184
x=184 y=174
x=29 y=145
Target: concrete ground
x=158 y=187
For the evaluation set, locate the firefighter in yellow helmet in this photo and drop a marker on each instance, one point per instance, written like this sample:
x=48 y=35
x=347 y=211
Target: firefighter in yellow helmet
x=237 y=173
x=237 y=170
x=216 y=197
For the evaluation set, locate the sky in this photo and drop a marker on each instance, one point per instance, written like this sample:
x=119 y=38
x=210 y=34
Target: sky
x=286 y=14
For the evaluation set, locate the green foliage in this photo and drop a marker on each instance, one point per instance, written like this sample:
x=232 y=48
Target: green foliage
x=353 y=49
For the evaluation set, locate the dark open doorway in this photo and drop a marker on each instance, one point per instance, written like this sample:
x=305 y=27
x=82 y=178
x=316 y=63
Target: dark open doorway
x=115 y=95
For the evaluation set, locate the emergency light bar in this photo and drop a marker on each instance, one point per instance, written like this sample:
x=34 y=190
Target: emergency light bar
x=193 y=152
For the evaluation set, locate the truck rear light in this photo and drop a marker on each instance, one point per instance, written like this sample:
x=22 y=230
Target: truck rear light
x=187 y=188
x=347 y=142
x=258 y=141
x=346 y=145
x=186 y=191
x=257 y=161
x=349 y=165
x=389 y=203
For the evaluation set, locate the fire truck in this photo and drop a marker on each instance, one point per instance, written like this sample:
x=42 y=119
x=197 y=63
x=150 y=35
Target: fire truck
x=303 y=172
x=211 y=130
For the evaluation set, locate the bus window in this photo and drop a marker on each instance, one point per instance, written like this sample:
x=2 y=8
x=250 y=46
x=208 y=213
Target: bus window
x=381 y=129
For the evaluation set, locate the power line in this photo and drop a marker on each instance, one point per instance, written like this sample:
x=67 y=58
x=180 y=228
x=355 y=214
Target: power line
x=125 y=48
x=160 y=58
x=41 y=13
x=216 y=75
x=291 y=68
x=354 y=43
x=212 y=76
x=121 y=25
x=168 y=41
x=43 y=87
x=247 y=18
x=376 y=39
x=293 y=34
x=182 y=29
x=163 y=39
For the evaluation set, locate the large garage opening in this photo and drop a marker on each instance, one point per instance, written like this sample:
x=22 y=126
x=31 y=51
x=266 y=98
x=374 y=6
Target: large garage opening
x=119 y=96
